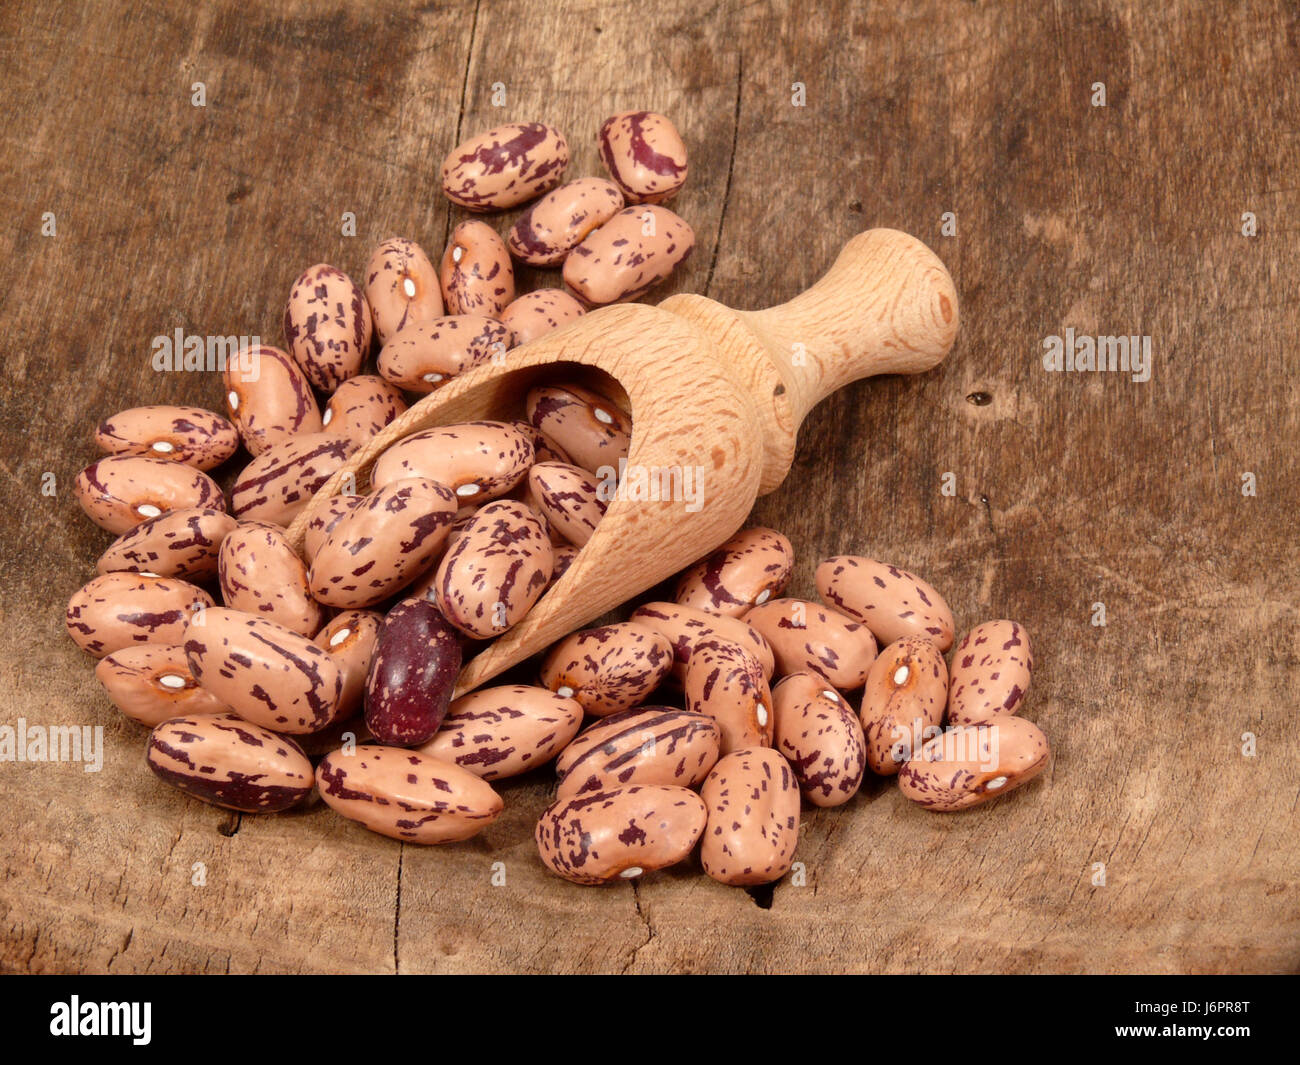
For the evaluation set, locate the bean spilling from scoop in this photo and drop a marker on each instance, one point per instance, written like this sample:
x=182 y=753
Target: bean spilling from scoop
x=699 y=725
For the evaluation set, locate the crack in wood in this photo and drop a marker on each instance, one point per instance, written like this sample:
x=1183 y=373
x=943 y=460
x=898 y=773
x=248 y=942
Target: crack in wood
x=731 y=164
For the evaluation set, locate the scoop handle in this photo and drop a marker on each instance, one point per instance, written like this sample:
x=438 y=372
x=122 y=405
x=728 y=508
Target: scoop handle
x=887 y=305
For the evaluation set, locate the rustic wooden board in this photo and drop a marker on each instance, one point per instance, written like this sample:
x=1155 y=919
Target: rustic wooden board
x=1070 y=490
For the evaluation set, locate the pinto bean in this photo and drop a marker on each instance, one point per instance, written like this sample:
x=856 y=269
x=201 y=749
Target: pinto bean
x=350 y=639
x=494 y=573
x=327 y=326
x=277 y=484
x=191 y=435
x=556 y=224
x=268 y=398
x=569 y=499
x=891 y=602
x=121 y=491
x=644 y=745
x=620 y=834
x=608 y=669
x=725 y=681
x=116 y=610
x=383 y=544
x=748 y=570
x=501 y=732
x=265 y=673
x=820 y=736
x=427 y=354
x=810 y=637
x=903 y=702
x=181 y=543
x=752 y=798
x=686 y=626
x=361 y=407
x=973 y=764
x=477 y=275
x=505 y=166
x=991 y=669
x=224 y=760
x=407 y=795
x=401 y=287
x=644 y=154
x=585 y=425
x=476 y=460
x=626 y=257
x=536 y=313
x=151 y=683
x=262 y=575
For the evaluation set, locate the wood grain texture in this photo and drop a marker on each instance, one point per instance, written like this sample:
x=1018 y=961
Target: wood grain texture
x=1070 y=489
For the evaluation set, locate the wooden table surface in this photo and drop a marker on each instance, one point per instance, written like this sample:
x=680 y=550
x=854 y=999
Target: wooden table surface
x=1068 y=489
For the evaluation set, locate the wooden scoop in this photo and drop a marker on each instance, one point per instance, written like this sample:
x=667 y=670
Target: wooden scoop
x=718 y=392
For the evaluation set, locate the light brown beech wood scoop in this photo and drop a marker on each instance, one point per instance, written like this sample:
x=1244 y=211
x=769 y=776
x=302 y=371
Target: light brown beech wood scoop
x=722 y=392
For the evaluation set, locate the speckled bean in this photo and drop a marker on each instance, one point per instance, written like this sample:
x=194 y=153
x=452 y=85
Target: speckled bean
x=406 y=795
x=536 y=313
x=569 y=498
x=262 y=575
x=327 y=326
x=972 y=764
x=821 y=737
x=562 y=558
x=556 y=224
x=501 y=732
x=891 y=602
x=748 y=570
x=116 y=610
x=426 y=355
x=412 y=674
x=119 y=492
x=180 y=543
x=476 y=460
x=191 y=435
x=268 y=398
x=505 y=166
x=609 y=668
x=594 y=432
x=807 y=636
x=277 y=484
x=383 y=544
x=991 y=669
x=752 y=798
x=477 y=275
x=725 y=681
x=644 y=154
x=151 y=683
x=350 y=640
x=685 y=626
x=230 y=762
x=630 y=254
x=620 y=834
x=903 y=702
x=263 y=672
x=401 y=287
x=497 y=569
x=544 y=449
x=322 y=523
x=361 y=407
x=644 y=745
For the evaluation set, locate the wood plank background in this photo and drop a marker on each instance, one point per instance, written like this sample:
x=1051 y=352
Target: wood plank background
x=1070 y=490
